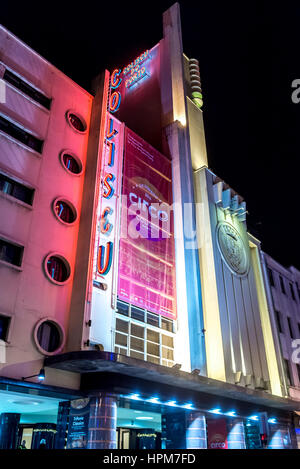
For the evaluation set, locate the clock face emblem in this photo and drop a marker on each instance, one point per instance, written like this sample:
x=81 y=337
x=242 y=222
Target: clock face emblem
x=232 y=248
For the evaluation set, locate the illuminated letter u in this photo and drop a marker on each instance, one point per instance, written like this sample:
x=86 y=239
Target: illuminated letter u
x=104 y=259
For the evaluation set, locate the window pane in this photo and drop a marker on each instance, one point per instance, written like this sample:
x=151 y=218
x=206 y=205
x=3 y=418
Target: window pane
x=153 y=349
x=153 y=336
x=153 y=319
x=71 y=164
x=121 y=326
x=122 y=308
x=138 y=314
x=139 y=356
x=167 y=325
x=136 y=344
x=138 y=331
x=167 y=340
x=19 y=134
x=27 y=89
x=121 y=339
x=4 y=325
x=153 y=359
x=168 y=353
x=121 y=351
x=48 y=336
x=11 y=253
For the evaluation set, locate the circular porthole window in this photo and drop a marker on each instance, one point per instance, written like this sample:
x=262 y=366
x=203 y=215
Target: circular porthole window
x=64 y=211
x=57 y=268
x=49 y=336
x=76 y=122
x=71 y=163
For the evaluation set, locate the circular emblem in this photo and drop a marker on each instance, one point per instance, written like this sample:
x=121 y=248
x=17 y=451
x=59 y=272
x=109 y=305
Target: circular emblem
x=232 y=248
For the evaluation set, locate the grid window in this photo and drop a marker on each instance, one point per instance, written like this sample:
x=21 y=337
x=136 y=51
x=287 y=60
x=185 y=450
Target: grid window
x=271 y=277
x=4 y=326
x=122 y=326
x=153 y=359
x=16 y=190
x=19 y=134
x=121 y=339
x=11 y=253
x=153 y=336
x=167 y=325
x=167 y=340
x=121 y=350
x=278 y=320
x=21 y=85
x=282 y=284
x=153 y=349
x=137 y=344
x=139 y=356
x=292 y=292
x=153 y=319
x=290 y=327
x=137 y=314
x=122 y=308
x=137 y=331
x=167 y=353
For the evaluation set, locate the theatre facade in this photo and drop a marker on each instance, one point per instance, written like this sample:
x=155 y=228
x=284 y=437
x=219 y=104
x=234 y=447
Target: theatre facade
x=133 y=311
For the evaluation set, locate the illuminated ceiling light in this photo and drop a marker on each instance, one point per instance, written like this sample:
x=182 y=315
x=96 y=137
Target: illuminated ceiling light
x=135 y=397
x=153 y=400
x=272 y=420
x=188 y=406
x=171 y=403
x=215 y=411
x=144 y=418
x=253 y=417
x=232 y=413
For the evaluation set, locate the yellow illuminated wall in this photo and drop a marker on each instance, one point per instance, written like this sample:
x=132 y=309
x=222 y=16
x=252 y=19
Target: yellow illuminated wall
x=265 y=322
x=212 y=324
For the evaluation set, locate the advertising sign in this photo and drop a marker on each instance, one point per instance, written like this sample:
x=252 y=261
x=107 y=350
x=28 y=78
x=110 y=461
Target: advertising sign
x=78 y=424
x=147 y=251
x=217 y=434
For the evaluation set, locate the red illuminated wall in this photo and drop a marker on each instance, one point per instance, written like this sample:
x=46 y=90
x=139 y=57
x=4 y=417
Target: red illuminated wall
x=146 y=255
x=217 y=434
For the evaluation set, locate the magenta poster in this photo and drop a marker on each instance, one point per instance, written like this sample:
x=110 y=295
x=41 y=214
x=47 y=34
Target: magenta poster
x=147 y=250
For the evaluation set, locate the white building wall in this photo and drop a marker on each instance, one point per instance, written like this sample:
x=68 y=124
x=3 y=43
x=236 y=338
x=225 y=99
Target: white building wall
x=286 y=307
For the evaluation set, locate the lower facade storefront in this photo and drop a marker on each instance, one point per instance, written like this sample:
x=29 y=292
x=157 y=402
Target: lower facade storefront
x=44 y=418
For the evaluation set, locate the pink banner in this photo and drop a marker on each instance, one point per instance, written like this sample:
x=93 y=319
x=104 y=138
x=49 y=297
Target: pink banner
x=147 y=251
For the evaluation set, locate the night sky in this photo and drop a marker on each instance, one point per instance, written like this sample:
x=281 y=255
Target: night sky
x=249 y=56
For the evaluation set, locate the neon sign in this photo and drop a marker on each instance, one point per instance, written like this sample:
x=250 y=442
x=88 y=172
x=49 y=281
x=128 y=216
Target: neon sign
x=109 y=188
x=137 y=71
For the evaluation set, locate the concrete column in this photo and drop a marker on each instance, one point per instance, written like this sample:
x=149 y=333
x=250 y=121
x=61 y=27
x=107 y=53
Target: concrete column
x=236 y=434
x=9 y=430
x=103 y=422
x=196 y=431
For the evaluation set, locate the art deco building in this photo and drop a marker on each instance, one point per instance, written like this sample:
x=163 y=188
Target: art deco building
x=128 y=277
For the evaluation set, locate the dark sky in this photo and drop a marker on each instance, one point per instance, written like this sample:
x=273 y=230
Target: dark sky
x=249 y=56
